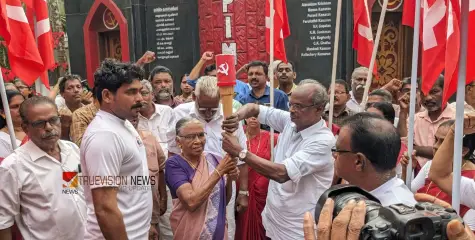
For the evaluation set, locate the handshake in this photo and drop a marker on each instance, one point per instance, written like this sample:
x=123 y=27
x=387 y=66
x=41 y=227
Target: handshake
x=360 y=216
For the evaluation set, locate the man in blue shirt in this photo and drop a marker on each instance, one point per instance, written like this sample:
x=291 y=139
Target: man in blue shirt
x=260 y=92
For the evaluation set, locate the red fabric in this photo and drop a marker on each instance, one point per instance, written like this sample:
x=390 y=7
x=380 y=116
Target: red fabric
x=401 y=153
x=408 y=13
x=453 y=49
x=363 y=41
x=25 y=59
x=249 y=223
x=281 y=28
x=335 y=129
x=434 y=190
x=45 y=36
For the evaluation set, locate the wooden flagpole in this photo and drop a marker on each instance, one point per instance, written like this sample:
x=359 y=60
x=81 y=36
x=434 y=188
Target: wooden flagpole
x=335 y=60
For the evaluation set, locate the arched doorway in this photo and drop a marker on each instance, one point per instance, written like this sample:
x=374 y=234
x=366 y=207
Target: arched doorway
x=105 y=36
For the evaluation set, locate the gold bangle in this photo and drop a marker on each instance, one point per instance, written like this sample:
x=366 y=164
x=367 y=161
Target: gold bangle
x=218 y=173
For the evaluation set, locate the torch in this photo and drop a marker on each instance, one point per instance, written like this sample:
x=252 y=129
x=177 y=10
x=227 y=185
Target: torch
x=226 y=74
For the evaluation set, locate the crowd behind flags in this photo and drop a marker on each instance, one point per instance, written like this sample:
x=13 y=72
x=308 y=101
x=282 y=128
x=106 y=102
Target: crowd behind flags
x=28 y=59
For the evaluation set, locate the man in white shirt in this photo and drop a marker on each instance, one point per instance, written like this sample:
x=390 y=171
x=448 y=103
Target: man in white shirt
x=37 y=190
x=303 y=166
x=358 y=82
x=366 y=155
x=208 y=110
x=119 y=204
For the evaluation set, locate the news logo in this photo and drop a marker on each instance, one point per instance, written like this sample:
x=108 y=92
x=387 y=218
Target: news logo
x=70 y=183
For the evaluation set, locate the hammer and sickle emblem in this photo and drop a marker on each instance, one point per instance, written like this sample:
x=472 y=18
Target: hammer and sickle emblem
x=223 y=68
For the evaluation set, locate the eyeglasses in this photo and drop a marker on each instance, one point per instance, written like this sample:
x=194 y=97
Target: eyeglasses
x=299 y=107
x=336 y=151
x=42 y=123
x=191 y=137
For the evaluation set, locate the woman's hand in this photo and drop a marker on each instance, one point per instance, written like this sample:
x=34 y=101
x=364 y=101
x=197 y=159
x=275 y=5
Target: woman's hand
x=405 y=159
x=227 y=165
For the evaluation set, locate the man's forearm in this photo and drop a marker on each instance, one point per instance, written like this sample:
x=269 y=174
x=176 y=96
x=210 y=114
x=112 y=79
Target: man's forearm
x=112 y=224
x=441 y=168
x=268 y=169
x=247 y=111
x=402 y=124
x=424 y=151
x=6 y=234
x=195 y=72
x=162 y=189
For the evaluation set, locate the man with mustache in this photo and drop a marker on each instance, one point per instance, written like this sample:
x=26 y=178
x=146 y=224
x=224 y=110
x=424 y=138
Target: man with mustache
x=208 y=110
x=358 y=82
x=260 y=93
x=303 y=166
x=286 y=77
x=71 y=90
x=34 y=189
x=111 y=148
x=426 y=122
x=161 y=79
x=340 y=109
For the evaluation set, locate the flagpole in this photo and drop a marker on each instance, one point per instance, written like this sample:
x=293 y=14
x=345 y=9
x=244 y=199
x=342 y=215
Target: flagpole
x=271 y=71
x=459 y=115
x=6 y=110
x=38 y=84
x=335 y=60
x=369 y=77
x=412 y=103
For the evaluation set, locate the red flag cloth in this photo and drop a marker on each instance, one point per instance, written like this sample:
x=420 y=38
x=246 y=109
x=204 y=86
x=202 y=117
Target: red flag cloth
x=409 y=13
x=44 y=36
x=453 y=48
x=25 y=59
x=363 y=41
x=281 y=28
x=434 y=34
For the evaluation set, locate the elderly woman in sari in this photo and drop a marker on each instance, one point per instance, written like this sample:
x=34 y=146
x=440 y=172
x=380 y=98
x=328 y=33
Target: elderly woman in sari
x=198 y=185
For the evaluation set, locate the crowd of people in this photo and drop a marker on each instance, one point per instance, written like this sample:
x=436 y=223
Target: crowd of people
x=133 y=159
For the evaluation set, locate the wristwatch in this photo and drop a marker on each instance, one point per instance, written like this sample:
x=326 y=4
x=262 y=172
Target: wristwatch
x=242 y=155
x=245 y=193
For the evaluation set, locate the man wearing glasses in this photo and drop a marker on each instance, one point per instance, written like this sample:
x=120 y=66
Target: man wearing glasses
x=303 y=166
x=208 y=110
x=35 y=193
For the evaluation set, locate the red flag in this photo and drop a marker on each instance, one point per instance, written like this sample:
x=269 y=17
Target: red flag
x=362 y=34
x=44 y=36
x=453 y=48
x=281 y=28
x=408 y=13
x=25 y=60
x=434 y=34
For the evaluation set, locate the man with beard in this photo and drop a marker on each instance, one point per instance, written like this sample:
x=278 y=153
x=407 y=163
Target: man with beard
x=286 y=77
x=71 y=90
x=340 y=109
x=260 y=93
x=31 y=177
x=427 y=122
x=161 y=79
x=111 y=148
x=303 y=165
x=358 y=82
x=209 y=111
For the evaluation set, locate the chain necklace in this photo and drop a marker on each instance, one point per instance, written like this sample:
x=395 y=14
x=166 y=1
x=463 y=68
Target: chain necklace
x=193 y=165
x=430 y=184
x=249 y=142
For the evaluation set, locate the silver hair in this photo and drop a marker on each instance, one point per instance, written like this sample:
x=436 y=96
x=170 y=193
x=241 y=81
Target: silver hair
x=319 y=95
x=359 y=70
x=385 y=94
x=207 y=85
x=183 y=122
x=146 y=84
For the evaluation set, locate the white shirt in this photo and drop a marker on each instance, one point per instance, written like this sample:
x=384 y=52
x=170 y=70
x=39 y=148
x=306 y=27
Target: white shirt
x=394 y=191
x=112 y=148
x=60 y=101
x=467 y=192
x=6 y=144
x=158 y=124
x=352 y=104
x=214 y=139
x=32 y=194
x=308 y=160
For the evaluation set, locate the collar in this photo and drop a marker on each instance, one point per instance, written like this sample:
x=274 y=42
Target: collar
x=194 y=112
x=310 y=131
x=386 y=186
x=447 y=113
x=155 y=112
x=36 y=153
x=110 y=116
x=266 y=93
x=291 y=90
x=352 y=97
